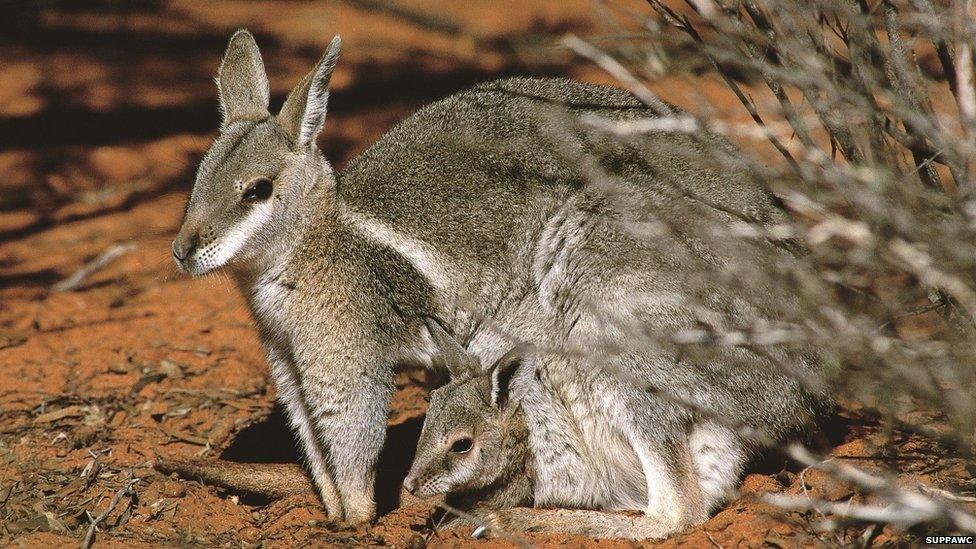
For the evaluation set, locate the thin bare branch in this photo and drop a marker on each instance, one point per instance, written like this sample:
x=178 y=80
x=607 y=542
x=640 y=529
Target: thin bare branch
x=126 y=490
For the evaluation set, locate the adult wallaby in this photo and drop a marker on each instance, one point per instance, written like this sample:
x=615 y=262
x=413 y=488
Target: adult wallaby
x=500 y=440
x=474 y=208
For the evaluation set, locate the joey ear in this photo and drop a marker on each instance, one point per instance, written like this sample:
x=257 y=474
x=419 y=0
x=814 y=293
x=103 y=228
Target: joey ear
x=451 y=356
x=504 y=370
x=303 y=113
x=242 y=82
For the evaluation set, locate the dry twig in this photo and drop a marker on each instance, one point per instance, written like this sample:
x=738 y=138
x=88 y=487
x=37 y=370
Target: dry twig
x=127 y=489
x=108 y=256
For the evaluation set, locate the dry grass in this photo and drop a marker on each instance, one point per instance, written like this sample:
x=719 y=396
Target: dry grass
x=862 y=121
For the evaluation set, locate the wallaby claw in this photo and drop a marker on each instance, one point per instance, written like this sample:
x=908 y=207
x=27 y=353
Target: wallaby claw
x=507 y=520
x=494 y=524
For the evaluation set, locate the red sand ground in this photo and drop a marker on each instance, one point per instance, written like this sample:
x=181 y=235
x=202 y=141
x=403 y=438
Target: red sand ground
x=103 y=116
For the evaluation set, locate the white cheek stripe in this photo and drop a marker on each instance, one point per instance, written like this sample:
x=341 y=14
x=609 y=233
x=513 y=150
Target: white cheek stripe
x=227 y=247
x=428 y=261
x=238 y=236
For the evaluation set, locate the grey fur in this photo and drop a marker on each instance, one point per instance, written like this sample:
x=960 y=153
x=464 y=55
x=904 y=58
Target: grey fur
x=241 y=81
x=470 y=212
x=303 y=113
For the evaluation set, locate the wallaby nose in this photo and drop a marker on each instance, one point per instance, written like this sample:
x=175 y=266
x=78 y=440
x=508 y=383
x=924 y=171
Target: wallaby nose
x=184 y=244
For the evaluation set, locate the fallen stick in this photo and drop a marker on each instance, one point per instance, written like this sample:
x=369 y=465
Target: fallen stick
x=127 y=489
x=93 y=266
x=272 y=480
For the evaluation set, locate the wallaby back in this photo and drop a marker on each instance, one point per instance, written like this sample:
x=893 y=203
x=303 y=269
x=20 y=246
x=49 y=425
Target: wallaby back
x=477 y=158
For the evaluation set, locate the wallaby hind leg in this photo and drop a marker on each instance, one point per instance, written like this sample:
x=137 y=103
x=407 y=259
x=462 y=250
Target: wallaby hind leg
x=658 y=434
x=674 y=497
x=299 y=416
x=349 y=413
x=720 y=459
x=596 y=524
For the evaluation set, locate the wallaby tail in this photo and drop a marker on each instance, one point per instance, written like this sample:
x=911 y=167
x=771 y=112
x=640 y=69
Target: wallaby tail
x=595 y=524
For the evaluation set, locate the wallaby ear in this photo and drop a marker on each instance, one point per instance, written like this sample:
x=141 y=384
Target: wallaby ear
x=451 y=356
x=504 y=370
x=303 y=113
x=242 y=82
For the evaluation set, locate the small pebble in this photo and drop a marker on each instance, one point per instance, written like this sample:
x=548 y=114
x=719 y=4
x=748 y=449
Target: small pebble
x=249 y=534
x=118 y=418
x=170 y=369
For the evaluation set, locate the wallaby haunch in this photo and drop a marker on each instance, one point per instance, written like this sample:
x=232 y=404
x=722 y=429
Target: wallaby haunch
x=472 y=211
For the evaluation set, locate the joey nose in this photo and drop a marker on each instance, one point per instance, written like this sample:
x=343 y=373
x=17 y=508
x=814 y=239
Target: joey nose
x=184 y=244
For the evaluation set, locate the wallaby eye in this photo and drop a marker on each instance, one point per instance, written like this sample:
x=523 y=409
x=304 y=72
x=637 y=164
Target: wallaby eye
x=259 y=190
x=462 y=446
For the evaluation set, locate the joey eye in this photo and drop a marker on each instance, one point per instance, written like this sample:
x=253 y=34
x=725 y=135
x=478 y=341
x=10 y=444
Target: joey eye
x=259 y=190
x=462 y=446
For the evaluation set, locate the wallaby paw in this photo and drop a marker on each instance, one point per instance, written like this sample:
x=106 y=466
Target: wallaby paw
x=507 y=520
x=360 y=512
x=480 y=532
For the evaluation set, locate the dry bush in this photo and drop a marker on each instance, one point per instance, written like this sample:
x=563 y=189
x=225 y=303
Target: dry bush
x=869 y=111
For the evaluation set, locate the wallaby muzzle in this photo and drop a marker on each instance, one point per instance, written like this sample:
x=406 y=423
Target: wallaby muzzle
x=185 y=243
